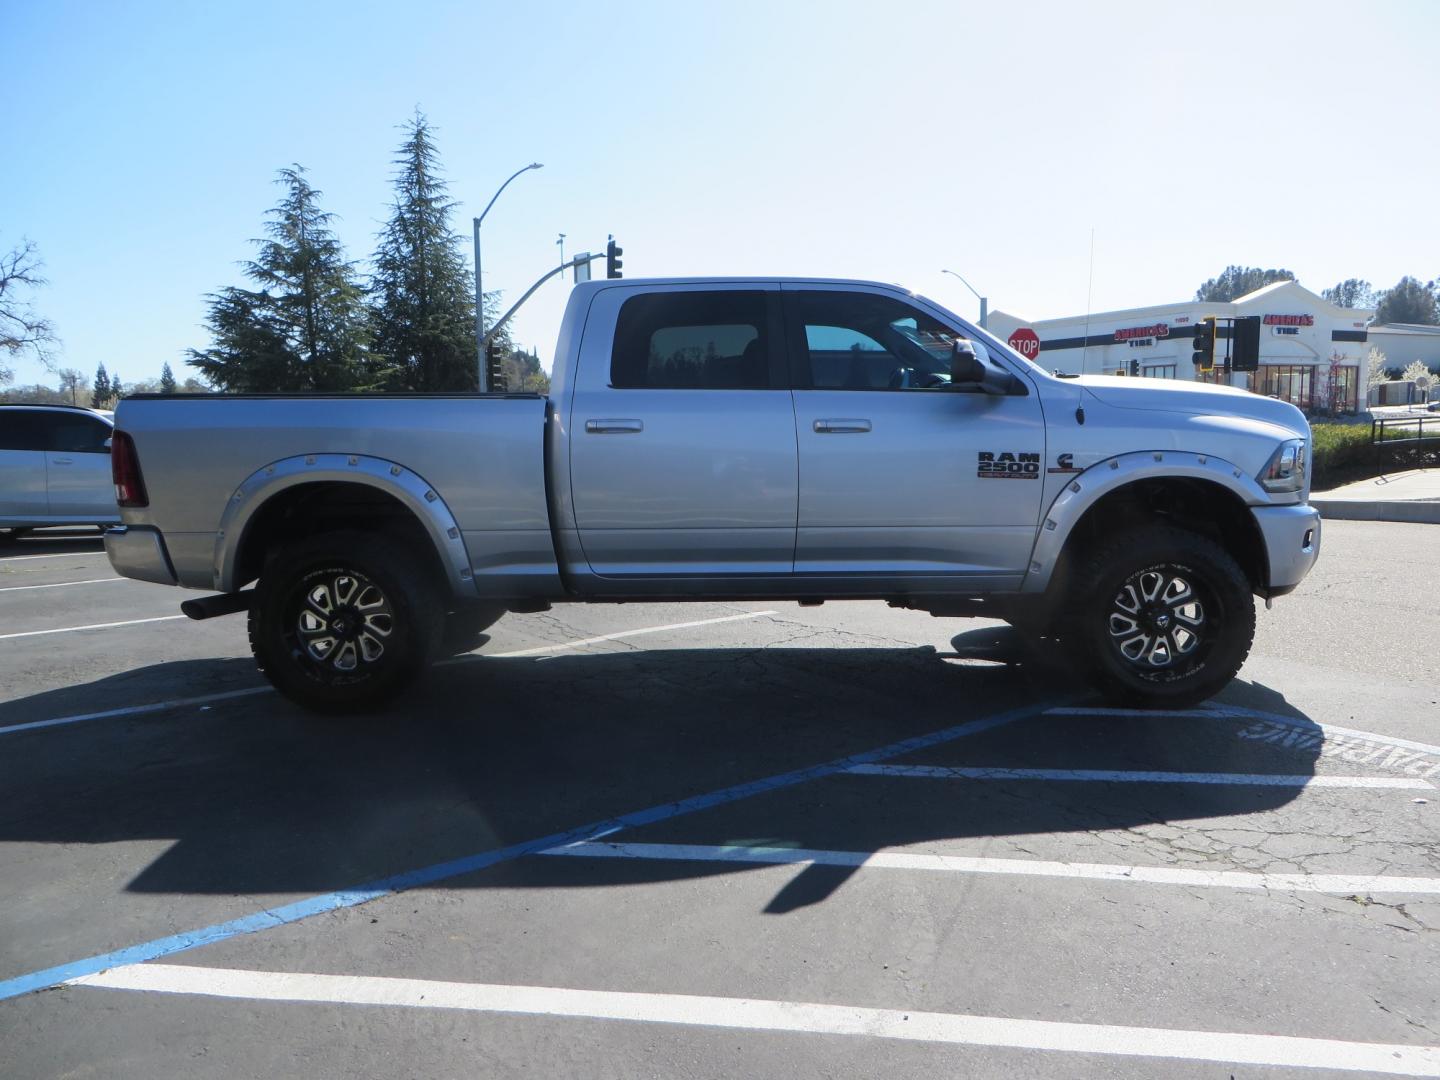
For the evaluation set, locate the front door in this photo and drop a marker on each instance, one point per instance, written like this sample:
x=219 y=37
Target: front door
x=682 y=435
x=24 y=434
x=902 y=476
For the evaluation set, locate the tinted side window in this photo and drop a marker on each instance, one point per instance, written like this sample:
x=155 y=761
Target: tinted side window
x=79 y=435
x=692 y=341
x=864 y=341
x=25 y=430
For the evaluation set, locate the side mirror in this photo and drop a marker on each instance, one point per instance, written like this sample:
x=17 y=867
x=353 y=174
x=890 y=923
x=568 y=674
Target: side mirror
x=965 y=366
x=106 y=445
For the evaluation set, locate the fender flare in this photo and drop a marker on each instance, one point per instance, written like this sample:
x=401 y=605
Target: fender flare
x=393 y=479
x=1087 y=488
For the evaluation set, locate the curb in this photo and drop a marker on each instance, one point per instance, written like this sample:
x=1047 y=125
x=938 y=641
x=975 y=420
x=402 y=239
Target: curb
x=1415 y=512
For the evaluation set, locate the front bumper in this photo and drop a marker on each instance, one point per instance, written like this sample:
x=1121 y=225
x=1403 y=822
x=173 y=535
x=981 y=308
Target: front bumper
x=1292 y=544
x=138 y=551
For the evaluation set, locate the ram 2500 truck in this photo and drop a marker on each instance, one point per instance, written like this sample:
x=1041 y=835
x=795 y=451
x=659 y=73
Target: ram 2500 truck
x=729 y=439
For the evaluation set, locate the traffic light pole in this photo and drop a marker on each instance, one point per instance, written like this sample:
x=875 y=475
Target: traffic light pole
x=500 y=322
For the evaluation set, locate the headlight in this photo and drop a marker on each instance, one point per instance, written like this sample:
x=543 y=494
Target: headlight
x=1286 y=470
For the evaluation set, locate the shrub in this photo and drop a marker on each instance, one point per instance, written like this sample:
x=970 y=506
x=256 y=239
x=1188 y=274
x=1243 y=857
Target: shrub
x=1340 y=453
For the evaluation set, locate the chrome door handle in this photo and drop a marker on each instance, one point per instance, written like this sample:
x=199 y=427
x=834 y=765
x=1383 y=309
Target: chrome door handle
x=62 y=461
x=841 y=427
x=614 y=427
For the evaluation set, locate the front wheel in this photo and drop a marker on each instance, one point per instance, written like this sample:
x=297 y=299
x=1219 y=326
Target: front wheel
x=1161 y=618
x=344 y=621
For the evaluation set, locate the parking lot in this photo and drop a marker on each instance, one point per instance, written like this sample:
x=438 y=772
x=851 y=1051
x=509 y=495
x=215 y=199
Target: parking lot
x=719 y=840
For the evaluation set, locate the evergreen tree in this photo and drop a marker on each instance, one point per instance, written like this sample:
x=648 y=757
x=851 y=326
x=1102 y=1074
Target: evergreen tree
x=117 y=388
x=167 y=379
x=1351 y=293
x=100 y=393
x=1237 y=281
x=424 y=310
x=1410 y=301
x=305 y=329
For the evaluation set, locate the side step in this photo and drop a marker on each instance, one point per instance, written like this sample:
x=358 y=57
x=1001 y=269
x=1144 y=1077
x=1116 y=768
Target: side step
x=209 y=607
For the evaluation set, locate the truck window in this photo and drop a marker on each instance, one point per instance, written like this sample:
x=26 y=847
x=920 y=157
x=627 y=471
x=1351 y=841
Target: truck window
x=863 y=341
x=692 y=341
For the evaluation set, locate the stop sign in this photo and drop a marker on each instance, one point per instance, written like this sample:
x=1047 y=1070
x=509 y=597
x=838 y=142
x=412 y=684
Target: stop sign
x=1025 y=342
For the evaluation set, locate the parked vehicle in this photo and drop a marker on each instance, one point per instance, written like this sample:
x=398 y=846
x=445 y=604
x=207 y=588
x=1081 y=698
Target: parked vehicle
x=723 y=439
x=55 y=467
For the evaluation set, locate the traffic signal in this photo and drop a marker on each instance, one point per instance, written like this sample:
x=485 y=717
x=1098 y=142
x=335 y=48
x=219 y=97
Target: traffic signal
x=613 y=251
x=494 y=369
x=1204 y=355
x=1135 y=368
x=1247 y=343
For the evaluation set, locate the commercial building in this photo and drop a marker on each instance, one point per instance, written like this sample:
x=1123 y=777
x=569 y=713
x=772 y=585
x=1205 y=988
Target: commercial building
x=1312 y=353
x=1404 y=343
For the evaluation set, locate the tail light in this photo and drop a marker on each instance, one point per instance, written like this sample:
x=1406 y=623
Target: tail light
x=125 y=471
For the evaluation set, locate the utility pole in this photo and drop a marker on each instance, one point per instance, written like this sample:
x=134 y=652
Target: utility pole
x=481 y=371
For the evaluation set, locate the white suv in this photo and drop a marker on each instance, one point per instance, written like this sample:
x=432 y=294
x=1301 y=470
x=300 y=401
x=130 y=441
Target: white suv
x=55 y=467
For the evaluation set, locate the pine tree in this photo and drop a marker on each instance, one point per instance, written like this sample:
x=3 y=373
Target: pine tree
x=306 y=329
x=100 y=393
x=167 y=379
x=117 y=388
x=424 y=310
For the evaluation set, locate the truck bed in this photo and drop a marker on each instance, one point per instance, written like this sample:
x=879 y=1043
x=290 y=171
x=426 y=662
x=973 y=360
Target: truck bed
x=481 y=454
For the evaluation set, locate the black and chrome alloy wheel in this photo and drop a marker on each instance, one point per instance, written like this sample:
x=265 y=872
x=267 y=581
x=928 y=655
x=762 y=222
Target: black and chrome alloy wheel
x=345 y=620
x=1157 y=619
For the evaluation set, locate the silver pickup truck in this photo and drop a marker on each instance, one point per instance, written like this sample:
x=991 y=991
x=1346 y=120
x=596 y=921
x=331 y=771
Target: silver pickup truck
x=729 y=439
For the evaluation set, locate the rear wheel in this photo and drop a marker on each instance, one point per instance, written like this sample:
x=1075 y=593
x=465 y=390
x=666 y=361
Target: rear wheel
x=1161 y=618
x=344 y=621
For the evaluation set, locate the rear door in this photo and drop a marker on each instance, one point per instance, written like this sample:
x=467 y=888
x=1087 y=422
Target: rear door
x=23 y=438
x=682 y=435
x=78 y=468
x=903 y=477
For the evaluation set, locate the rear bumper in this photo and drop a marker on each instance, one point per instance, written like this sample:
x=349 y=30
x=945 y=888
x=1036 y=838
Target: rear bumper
x=1292 y=544
x=138 y=551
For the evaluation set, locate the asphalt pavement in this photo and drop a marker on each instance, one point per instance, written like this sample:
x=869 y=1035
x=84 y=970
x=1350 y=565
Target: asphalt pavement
x=719 y=840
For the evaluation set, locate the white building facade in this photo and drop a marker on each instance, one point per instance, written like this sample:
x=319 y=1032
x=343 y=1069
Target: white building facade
x=1312 y=353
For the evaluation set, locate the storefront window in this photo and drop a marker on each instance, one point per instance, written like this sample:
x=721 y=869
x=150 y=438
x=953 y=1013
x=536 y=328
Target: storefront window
x=1158 y=371
x=1294 y=383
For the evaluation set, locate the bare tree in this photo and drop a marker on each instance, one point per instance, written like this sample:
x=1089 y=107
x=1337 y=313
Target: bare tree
x=21 y=329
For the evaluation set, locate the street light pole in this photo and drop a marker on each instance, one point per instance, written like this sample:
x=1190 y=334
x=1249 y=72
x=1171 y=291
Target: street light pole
x=984 y=303
x=479 y=294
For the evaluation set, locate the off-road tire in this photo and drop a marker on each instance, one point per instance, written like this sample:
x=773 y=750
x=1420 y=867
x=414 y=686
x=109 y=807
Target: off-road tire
x=382 y=628
x=1160 y=618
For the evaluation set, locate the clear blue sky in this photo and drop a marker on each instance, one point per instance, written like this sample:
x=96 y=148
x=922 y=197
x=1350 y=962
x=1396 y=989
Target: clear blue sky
x=879 y=140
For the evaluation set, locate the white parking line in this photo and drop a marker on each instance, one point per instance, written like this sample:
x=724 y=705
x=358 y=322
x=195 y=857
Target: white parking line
x=1342 y=884
x=92 y=626
x=1108 y=776
x=160 y=706
x=749 y=1014
x=52 y=555
x=1234 y=712
x=60 y=584
x=135 y=710
x=629 y=633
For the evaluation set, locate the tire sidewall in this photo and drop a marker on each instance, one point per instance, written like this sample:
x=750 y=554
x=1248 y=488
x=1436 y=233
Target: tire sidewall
x=1229 y=613
x=417 y=618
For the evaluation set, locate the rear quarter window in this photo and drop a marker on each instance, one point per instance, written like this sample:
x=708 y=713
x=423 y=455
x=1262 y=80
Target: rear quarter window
x=692 y=341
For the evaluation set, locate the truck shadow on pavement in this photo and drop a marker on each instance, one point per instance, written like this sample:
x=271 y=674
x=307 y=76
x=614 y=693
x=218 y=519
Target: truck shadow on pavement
x=260 y=798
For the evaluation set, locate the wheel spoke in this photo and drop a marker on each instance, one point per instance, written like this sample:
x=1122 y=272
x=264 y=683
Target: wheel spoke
x=371 y=648
x=321 y=599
